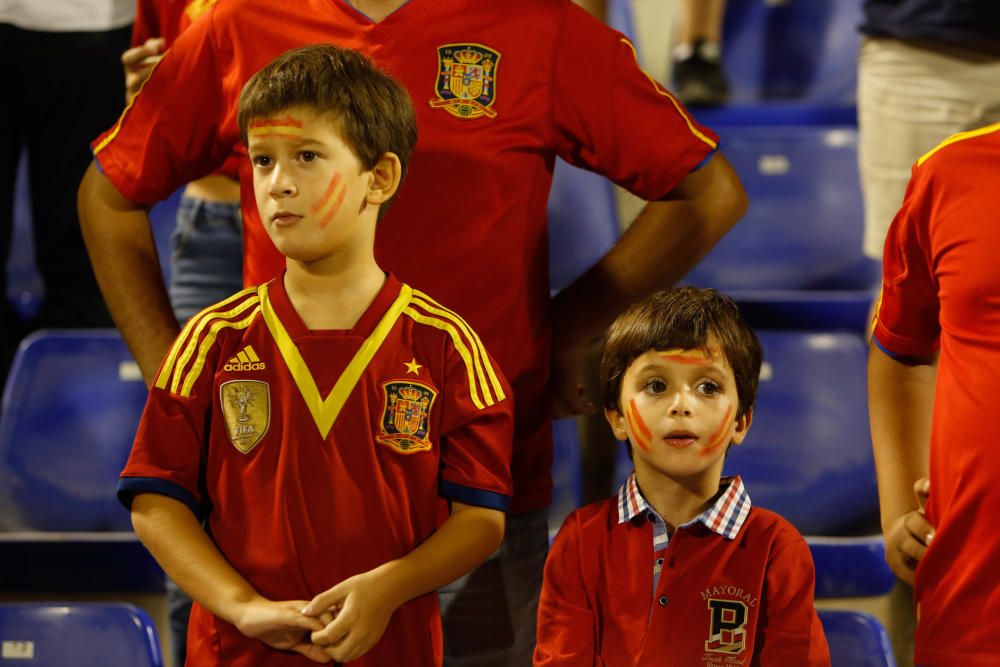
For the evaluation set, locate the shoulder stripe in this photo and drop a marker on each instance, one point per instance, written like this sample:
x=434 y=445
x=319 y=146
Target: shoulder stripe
x=128 y=107
x=182 y=339
x=456 y=340
x=205 y=322
x=955 y=138
x=673 y=100
x=480 y=357
x=209 y=340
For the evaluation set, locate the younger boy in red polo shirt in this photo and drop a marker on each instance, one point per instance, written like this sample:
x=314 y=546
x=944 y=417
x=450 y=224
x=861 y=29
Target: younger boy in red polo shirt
x=345 y=439
x=678 y=569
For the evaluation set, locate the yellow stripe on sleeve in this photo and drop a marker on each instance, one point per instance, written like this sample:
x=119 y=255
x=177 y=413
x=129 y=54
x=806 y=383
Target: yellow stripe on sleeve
x=192 y=345
x=480 y=358
x=184 y=338
x=206 y=345
x=673 y=100
x=961 y=136
x=128 y=107
x=456 y=340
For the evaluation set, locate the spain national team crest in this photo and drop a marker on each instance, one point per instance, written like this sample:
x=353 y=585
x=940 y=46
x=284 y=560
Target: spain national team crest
x=246 y=407
x=467 y=80
x=405 y=422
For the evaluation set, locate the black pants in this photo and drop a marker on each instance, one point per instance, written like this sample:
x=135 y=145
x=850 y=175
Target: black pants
x=60 y=91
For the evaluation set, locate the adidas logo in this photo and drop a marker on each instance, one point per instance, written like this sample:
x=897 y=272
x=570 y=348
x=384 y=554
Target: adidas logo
x=247 y=360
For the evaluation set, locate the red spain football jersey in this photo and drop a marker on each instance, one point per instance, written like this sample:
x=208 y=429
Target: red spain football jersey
x=734 y=587
x=314 y=455
x=500 y=89
x=941 y=289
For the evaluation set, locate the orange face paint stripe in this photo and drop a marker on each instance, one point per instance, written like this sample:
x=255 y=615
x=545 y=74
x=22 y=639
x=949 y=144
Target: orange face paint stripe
x=287 y=120
x=643 y=435
x=325 y=197
x=333 y=209
x=274 y=135
x=718 y=438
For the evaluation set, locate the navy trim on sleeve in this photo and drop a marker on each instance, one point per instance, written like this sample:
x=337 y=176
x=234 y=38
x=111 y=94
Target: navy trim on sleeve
x=129 y=487
x=97 y=162
x=909 y=361
x=471 y=496
x=708 y=157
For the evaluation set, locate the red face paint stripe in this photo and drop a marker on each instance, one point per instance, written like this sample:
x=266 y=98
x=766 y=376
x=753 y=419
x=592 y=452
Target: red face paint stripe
x=325 y=197
x=687 y=361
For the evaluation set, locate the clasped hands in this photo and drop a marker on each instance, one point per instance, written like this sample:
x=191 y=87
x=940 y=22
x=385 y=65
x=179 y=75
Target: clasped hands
x=338 y=625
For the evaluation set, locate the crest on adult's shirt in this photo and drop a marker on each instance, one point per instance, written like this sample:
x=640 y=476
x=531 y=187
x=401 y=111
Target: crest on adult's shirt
x=196 y=8
x=467 y=80
x=246 y=407
x=405 y=421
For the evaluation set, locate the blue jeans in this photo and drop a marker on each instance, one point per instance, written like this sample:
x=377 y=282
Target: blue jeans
x=207 y=262
x=206 y=267
x=489 y=615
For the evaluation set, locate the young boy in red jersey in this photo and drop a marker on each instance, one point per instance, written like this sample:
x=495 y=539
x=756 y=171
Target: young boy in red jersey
x=322 y=424
x=678 y=569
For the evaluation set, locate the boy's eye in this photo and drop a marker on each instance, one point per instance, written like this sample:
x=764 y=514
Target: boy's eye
x=656 y=386
x=307 y=156
x=709 y=387
x=261 y=161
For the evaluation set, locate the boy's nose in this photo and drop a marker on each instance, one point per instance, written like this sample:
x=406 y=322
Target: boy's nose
x=281 y=185
x=680 y=407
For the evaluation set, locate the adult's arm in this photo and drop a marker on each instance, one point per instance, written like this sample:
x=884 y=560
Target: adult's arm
x=120 y=242
x=900 y=403
x=665 y=242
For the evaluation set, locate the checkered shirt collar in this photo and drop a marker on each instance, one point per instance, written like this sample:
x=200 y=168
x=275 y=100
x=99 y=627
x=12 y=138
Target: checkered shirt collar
x=725 y=517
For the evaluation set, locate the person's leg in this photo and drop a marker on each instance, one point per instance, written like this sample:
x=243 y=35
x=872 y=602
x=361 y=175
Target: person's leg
x=910 y=99
x=11 y=50
x=79 y=82
x=207 y=259
x=698 y=74
x=489 y=615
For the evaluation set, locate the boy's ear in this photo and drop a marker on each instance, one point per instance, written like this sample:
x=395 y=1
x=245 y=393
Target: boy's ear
x=617 y=422
x=742 y=426
x=386 y=176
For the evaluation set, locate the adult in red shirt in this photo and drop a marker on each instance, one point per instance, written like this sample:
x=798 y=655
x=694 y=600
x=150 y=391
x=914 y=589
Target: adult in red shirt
x=500 y=91
x=932 y=371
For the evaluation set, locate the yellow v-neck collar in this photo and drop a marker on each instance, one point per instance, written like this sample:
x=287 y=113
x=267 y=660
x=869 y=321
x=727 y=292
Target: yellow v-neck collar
x=325 y=410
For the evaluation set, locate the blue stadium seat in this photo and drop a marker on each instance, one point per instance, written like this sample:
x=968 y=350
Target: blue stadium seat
x=583 y=222
x=795 y=259
x=67 y=420
x=68 y=417
x=789 y=62
x=808 y=455
x=856 y=639
x=849 y=567
x=59 y=634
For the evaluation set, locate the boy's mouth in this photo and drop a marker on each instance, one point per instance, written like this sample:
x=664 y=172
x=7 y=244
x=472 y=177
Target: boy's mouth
x=285 y=218
x=680 y=439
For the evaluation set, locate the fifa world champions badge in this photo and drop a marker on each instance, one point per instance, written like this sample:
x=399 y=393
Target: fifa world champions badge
x=405 y=421
x=246 y=408
x=467 y=80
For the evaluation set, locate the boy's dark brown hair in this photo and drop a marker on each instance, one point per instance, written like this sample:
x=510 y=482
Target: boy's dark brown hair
x=375 y=112
x=682 y=317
